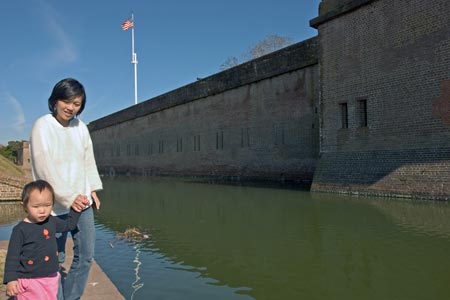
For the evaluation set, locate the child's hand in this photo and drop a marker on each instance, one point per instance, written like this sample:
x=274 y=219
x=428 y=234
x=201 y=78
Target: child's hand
x=80 y=203
x=12 y=288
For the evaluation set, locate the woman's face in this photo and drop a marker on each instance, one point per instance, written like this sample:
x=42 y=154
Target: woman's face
x=66 y=110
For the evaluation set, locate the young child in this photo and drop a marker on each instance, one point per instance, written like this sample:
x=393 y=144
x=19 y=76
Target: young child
x=31 y=267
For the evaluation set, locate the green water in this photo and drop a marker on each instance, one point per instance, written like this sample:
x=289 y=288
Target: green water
x=228 y=242
x=208 y=241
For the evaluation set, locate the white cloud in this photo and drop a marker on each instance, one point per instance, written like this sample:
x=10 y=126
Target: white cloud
x=12 y=116
x=66 y=51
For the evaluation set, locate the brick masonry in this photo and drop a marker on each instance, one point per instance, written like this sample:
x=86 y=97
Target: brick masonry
x=257 y=121
x=11 y=187
x=364 y=108
x=395 y=56
x=23 y=157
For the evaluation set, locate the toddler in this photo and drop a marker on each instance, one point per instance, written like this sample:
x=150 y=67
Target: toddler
x=31 y=266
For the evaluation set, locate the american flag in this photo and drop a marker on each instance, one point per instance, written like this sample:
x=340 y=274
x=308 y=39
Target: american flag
x=127 y=24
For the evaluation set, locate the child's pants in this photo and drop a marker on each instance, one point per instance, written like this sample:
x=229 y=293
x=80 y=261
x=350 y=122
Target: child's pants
x=41 y=288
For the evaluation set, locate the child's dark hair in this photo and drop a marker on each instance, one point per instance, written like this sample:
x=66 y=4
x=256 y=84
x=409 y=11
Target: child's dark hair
x=36 y=185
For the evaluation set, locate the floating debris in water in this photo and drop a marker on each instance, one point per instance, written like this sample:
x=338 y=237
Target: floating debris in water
x=133 y=234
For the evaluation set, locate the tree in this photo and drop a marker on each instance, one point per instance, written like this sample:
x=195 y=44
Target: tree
x=230 y=62
x=270 y=43
x=11 y=151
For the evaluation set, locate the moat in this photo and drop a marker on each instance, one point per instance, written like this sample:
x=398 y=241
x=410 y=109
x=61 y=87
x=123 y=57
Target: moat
x=211 y=241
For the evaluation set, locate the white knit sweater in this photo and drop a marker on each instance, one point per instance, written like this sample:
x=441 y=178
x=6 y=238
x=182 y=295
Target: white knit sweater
x=64 y=157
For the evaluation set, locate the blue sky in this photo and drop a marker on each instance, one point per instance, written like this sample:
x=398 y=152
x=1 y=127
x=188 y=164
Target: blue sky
x=44 y=41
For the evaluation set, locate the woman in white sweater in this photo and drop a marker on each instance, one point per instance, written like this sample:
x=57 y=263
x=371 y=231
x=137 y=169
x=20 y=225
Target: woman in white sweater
x=62 y=154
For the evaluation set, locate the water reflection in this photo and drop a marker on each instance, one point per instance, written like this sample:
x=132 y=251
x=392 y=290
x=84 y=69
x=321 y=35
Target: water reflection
x=259 y=243
x=421 y=216
x=11 y=212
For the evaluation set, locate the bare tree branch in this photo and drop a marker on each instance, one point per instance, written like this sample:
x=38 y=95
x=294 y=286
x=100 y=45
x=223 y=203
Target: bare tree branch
x=270 y=43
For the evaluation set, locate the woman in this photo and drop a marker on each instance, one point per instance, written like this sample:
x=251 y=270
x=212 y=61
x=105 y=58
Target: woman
x=62 y=154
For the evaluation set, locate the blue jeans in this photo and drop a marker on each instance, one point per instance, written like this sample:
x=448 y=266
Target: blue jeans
x=83 y=252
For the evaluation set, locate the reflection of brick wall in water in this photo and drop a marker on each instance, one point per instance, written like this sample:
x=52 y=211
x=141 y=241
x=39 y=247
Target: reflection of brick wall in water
x=11 y=212
x=394 y=56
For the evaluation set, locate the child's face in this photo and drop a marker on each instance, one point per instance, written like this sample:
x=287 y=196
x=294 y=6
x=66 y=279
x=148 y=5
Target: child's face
x=39 y=206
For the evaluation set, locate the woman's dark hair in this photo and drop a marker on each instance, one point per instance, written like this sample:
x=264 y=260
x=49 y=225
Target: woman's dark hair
x=67 y=89
x=36 y=185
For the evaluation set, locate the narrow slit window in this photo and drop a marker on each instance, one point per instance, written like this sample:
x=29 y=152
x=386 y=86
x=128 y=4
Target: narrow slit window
x=136 y=150
x=197 y=142
x=161 y=146
x=344 y=115
x=179 y=145
x=248 y=137
x=217 y=140
x=362 y=112
x=149 y=148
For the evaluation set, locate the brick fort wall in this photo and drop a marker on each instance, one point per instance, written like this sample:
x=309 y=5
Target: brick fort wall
x=385 y=94
x=256 y=121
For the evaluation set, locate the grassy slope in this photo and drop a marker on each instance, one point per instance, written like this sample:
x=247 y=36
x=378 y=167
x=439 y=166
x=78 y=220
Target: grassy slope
x=9 y=168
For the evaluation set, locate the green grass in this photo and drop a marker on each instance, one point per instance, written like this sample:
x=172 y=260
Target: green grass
x=9 y=168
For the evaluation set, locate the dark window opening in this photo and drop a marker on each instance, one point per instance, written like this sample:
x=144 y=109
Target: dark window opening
x=362 y=113
x=344 y=115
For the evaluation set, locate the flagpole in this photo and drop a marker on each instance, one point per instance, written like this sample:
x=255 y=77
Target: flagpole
x=134 y=60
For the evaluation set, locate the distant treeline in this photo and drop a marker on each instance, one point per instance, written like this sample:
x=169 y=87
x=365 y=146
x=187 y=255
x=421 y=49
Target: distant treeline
x=11 y=150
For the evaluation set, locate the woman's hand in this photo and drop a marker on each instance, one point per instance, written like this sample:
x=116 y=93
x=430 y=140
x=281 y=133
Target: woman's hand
x=80 y=203
x=96 y=200
x=12 y=288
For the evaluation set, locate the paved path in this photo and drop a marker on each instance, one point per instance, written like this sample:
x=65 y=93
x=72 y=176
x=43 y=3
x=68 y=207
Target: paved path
x=99 y=286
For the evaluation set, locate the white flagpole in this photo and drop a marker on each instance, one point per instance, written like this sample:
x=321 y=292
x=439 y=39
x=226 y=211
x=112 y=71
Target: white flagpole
x=134 y=60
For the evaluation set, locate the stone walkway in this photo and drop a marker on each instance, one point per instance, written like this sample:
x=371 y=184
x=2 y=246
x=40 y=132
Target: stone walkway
x=99 y=286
